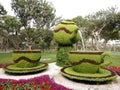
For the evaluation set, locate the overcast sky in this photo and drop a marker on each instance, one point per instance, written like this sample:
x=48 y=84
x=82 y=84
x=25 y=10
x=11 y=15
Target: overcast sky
x=71 y=8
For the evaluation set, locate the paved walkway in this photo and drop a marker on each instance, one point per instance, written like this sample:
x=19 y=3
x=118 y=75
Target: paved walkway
x=54 y=72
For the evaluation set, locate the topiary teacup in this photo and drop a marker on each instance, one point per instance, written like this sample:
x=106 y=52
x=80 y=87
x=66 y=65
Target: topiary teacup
x=88 y=62
x=26 y=59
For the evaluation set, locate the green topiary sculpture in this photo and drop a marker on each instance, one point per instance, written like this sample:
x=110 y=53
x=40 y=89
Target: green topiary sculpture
x=26 y=62
x=89 y=67
x=65 y=34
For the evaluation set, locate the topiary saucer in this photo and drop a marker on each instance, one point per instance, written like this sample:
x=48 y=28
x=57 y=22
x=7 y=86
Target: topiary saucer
x=103 y=76
x=13 y=69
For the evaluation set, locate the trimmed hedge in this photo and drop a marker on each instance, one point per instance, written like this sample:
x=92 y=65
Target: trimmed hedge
x=62 y=55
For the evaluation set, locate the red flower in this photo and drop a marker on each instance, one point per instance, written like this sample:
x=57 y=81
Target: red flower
x=20 y=84
x=13 y=87
x=1 y=87
x=26 y=88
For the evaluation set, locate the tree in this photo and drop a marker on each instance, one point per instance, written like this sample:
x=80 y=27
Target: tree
x=10 y=29
x=37 y=14
x=2 y=10
x=102 y=24
x=82 y=24
x=2 y=32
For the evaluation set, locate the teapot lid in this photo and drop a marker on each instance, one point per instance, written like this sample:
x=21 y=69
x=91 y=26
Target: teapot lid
x=68 y=21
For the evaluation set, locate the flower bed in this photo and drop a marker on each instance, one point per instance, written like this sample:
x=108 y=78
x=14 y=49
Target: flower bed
x=37 y=83
x=116 y=69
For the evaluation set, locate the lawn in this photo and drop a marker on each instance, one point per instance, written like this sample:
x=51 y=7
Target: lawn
x=5 y=58
x=50 y=56
x=116 y=59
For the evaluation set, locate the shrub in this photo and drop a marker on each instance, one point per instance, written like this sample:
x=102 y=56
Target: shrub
x=62 y=56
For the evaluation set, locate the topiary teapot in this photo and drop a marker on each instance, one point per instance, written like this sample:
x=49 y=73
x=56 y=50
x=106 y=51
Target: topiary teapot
x=66 y=33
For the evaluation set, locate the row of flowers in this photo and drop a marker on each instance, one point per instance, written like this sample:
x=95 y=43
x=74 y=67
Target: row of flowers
x=38 y=83
x=115 y=69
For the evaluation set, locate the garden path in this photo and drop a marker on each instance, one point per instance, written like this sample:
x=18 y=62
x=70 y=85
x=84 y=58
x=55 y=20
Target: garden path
x=54 y=73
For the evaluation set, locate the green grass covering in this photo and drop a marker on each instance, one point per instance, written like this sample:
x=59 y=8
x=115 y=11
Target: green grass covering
x=88 y=61
x=23 y=63
x=13 y=69
x=62 y=55
x=103 y=76
x=116 y=59
x=5 y=58
x=100 y=74
x=48 y=56
x=65 y=38
x=86 y=68
x=32 y=56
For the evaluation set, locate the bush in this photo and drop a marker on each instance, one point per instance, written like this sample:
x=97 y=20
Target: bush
x=62 y=56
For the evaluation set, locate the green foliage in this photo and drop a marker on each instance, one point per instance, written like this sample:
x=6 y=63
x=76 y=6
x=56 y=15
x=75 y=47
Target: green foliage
x=10 y=30
x=62 y=55
x=78 y=57
x=23 y=63
x=65 y=38
x=14 y=69
x=88 y=66
x=105 y=22
x=6 y=58
x=45 y=40
x=35 y=13
x=46 y=57
x=2 y=10
x=101 y=77
x=82 y=23
x=65 y=34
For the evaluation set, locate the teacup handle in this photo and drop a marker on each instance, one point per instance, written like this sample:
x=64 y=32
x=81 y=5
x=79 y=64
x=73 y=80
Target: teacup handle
x=107 y=62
